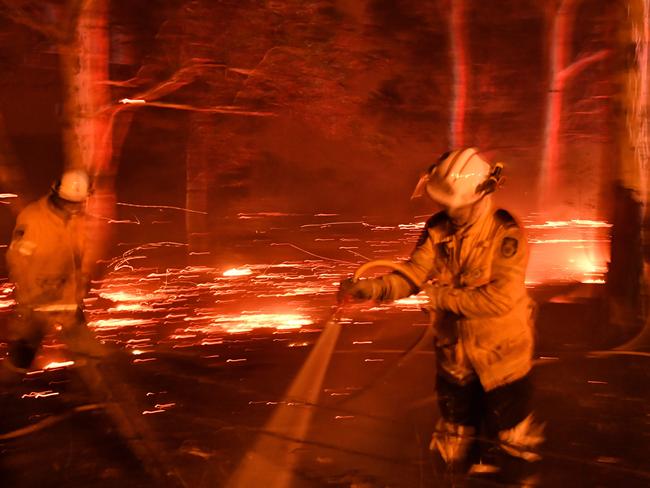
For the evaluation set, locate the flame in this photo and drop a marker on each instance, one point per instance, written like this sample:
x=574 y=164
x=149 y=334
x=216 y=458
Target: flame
x=568 y=250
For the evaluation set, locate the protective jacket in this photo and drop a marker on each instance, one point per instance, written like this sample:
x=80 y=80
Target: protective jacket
x=481 y=310
x=45 y=258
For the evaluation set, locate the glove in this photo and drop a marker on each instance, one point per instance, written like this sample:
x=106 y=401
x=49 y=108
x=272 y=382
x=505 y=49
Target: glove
x=435 y=294
x=359 y=290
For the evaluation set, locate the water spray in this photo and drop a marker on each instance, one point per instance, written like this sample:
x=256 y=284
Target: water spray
x=273 y=457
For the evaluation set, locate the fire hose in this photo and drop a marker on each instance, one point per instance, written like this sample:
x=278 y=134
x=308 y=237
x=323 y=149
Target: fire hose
x=270 y=462
x=385 y=263
x=422 y=340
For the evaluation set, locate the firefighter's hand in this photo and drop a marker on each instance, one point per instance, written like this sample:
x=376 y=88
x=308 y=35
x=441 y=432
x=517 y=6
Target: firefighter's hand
x=436 y=294
x=359 y=290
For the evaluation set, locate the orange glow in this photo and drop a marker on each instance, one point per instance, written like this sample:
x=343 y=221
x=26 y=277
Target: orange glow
x=58 y=364
x=40 y=394
x=109 y=324
x=555 y=224
x=132 y=101
x=568 y=250
x=246 y=322
x=5 y=296
x=238 y=272
x=123 y=296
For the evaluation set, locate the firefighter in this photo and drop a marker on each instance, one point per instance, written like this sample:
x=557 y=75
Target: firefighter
x=471 y=262
x=50 y=265
x=51 y=278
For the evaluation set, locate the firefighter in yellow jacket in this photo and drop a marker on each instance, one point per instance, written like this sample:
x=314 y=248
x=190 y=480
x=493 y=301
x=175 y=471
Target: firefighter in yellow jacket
x=46 y=261
x=471 y=261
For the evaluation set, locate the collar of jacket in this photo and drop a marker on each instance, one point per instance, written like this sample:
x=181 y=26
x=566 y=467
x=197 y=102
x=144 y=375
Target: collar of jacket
x=58 y=213
x=446 y=233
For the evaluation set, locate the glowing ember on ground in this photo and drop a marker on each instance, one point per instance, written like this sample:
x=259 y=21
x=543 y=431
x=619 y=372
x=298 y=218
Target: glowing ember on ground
x=118 y=323
x=247 y=322
x=569 y=250
x=123 y=296
x=555 y=224
x=238 y=272
x=152 y=305
x=58 y=364
x=130 y=307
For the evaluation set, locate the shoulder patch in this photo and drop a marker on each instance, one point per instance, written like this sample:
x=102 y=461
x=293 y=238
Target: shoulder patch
x=505 y=218
x=509 y=246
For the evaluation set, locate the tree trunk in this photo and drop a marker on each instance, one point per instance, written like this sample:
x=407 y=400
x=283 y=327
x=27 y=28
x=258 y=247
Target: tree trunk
x=87 y=125
x=560 y=38
x=458 y=54
x=633 y=173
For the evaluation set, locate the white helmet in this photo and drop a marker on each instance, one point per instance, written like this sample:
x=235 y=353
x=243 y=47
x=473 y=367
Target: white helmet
x=73 y=186
x=458 y=179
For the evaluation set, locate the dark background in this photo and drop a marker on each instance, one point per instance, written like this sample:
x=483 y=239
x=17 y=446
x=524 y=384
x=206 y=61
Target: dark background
x=360 y=93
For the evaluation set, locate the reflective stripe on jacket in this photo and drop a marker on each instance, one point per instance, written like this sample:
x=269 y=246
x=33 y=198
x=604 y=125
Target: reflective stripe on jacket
x=481 y=310
x=45 y=256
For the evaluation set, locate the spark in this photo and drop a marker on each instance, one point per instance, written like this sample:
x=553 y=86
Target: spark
x=111 y=324
x=56 y=364
x=416 y=226
x=310 y=253
x=123 y=296
x=132 y=307
x=327 y=224
x=132 y=101
x=238 y=272
x=555 y=224
x=564 y=241
x=40 y=394
x=266 y=214
x=164 y=406
x=160 y=207
x=8 y=195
